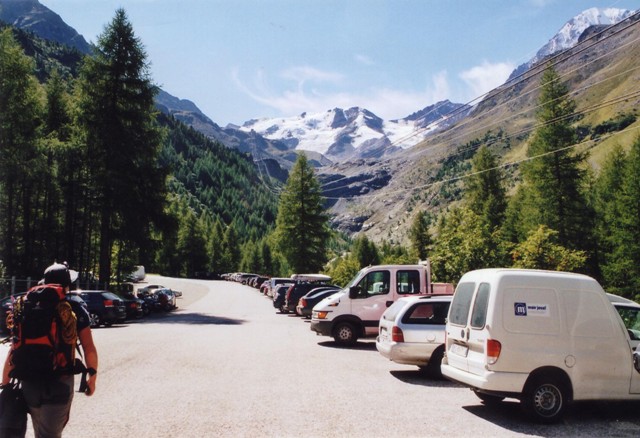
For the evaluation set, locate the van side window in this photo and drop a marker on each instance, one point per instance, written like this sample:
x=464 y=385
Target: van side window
x=408 y=282
x=479 y=314
x=461 y=303
x=374 y=283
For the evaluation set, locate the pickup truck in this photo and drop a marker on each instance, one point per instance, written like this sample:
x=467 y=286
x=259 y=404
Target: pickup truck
x=355 y=311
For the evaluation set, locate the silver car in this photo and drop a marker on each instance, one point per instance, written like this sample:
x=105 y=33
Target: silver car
x=411 y=332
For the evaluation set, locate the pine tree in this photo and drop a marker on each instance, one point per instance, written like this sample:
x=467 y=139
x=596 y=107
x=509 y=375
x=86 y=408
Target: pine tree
x=301 y=226
x=230 y=250
x=607 y=195
x=421 y=241
x=365 y=251
x=484 y=191
x=123 y=140
x=623 y=267
x=20 y=159
x=192 y=245
x=555 y=175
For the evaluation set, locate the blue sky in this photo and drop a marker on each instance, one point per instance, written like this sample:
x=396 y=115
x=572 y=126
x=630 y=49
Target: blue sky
x=242 y=59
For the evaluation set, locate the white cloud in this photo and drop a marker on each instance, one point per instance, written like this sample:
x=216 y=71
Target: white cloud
x=485 y=77
x=320 y=96
x=364 y=59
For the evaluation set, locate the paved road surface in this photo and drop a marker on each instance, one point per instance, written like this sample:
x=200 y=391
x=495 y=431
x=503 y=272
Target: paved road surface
x=226 y=364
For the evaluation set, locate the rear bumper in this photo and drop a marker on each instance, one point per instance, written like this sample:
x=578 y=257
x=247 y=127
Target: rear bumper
x=404 y=353
x=489 y=382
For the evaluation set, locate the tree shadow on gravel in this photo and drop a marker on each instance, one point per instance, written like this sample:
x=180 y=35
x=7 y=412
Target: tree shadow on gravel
x=190 y=318
x=363 y=346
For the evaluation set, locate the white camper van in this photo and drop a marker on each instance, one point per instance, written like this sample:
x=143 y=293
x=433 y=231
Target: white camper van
x=545 y=338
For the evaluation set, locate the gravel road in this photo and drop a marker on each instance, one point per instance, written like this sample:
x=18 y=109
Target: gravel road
x=226 y=364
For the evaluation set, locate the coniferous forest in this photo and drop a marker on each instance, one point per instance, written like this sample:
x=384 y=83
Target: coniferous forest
x=92 y=174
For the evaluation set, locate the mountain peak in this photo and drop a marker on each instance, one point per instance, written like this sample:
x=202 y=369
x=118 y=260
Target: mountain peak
x=569 y=34
x=32 y=16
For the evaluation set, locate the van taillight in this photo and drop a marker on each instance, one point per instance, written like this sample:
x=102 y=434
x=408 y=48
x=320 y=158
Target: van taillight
x=108 y=303
x=493 y=351
x=396 y=334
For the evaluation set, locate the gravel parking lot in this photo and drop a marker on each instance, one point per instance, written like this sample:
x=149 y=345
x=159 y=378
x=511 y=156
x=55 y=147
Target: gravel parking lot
x=225 y=363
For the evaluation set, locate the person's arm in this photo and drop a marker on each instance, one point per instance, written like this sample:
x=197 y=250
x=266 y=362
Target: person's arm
x=90 y=357
x=8 y=366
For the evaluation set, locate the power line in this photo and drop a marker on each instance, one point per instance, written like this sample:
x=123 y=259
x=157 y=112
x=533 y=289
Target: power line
x=586 y=110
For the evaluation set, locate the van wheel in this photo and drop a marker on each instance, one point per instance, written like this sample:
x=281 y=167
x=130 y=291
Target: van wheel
x=545 y=399
x=488 y=399
x=345 y=333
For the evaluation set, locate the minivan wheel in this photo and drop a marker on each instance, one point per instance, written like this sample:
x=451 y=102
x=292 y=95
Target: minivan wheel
x=545 y=399
x=345 y=333
x=433 y=367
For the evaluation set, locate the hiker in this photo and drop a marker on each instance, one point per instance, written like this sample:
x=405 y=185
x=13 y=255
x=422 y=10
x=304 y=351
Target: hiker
x=49 y=398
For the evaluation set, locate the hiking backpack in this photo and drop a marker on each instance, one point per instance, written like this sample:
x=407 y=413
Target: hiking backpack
x=44 y=334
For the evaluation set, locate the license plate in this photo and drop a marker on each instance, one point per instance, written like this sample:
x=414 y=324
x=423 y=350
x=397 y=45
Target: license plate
x=459 y=350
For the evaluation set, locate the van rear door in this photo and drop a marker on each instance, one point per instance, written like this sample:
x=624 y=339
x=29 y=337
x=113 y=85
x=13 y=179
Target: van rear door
x=467 y=335
x=458 y=331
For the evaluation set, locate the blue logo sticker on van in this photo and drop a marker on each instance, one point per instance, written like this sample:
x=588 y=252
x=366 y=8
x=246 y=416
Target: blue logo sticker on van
x=520 y=309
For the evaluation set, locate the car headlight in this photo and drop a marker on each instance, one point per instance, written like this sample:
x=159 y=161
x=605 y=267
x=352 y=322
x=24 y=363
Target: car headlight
x=320 y=314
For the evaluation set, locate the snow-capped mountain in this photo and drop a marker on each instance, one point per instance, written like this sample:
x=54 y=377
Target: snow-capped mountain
x=569 y=34
x=356 y=132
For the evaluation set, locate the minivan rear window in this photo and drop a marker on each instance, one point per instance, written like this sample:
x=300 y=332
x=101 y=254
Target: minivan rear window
x=461 y=304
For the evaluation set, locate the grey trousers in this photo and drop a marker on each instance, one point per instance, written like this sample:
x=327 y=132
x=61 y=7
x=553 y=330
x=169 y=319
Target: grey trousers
x=49 y=405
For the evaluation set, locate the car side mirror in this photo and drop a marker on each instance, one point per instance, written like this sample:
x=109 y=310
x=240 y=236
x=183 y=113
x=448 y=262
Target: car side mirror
x=354 y=291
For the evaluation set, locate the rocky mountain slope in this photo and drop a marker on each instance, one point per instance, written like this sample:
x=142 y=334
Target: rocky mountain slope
x=602 y=72
x=32 y=16
x=376 y=174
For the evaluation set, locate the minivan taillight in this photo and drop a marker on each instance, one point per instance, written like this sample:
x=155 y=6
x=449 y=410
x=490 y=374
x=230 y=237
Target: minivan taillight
x=396 y=334
x=493 y=351
x=108 y=303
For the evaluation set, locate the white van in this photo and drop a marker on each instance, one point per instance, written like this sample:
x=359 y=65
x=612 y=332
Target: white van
x=545 y=338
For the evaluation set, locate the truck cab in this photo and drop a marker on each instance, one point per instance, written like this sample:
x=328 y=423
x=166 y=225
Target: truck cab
x=355 y=311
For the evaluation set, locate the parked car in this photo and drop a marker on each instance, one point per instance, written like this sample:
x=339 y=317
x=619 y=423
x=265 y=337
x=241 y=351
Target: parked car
x=279 y=295
x=313 y=297
x=6 y=307
x=148 y=289
x=104 y=307
x=165 y=299
x=303 y=283
x=138 y=274
x=275 y=281
x=411 y=332
x=134 y=306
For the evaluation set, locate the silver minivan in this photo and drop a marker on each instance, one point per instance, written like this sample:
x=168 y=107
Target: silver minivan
x=411 y=332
